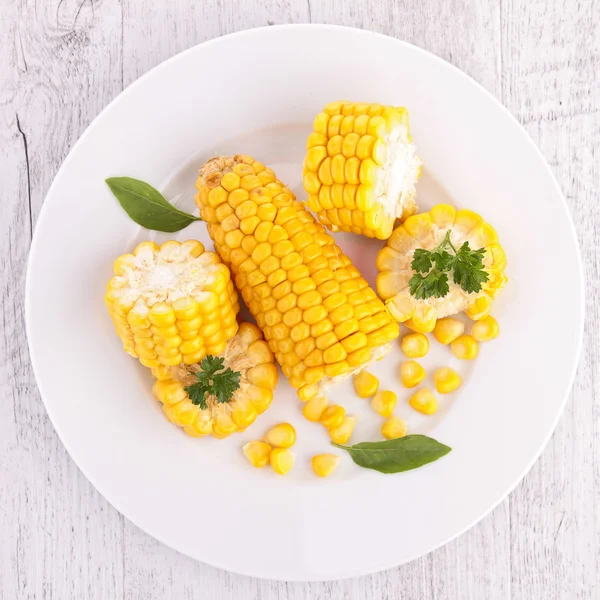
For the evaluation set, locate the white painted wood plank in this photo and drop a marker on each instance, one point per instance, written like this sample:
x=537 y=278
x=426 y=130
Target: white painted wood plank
x=60 y=65
x=550 y=54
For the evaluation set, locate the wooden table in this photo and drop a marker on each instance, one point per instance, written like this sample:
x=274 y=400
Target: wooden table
x=61 y=62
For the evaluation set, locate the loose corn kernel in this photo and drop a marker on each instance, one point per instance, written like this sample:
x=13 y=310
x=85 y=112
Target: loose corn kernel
x=447 y=330
x=485 y=330
x=384 y=403
x=365 y=384
x=424 y=401
x=415 y=345
x=411 y=373
x=465 y=347
x=446 y=380
x=393 y=427
x=281 y=436
x=314 y=408
x=324 y=464
x=333 y=416
x=257 y=453
x=282 y=460
x=342 y=433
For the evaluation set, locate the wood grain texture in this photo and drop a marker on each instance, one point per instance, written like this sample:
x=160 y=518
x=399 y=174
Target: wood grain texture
x=61 y=62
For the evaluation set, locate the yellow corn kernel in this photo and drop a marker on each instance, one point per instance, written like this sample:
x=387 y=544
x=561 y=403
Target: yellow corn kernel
x=424 y=401
x=485 y=330
x=393 y=427
x=447 y=330
x=415 y=345
x=281 y=436
x=384 y=403
x=324 y=465
x=411 y=373
x=465 y=347
x=314 y=408
x=342 y=433
x=257 y=453
x=333 y=416
x=446 y=380
x=282 y=460
x=365 y=384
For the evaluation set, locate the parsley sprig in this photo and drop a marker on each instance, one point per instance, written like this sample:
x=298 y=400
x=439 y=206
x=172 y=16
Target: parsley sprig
x=213 y=380
x=432 y=268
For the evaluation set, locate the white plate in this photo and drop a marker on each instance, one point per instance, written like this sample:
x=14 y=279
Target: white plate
x=257 y=92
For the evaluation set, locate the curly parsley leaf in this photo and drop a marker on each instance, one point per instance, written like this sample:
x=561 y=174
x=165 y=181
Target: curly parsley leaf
x=214 y=379
x=421 y=262
x=467 y=267
x=430 y=279
x=434 y=284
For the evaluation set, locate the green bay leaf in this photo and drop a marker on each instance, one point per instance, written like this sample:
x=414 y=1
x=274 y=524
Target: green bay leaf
x=147 y=206
x=398 y=455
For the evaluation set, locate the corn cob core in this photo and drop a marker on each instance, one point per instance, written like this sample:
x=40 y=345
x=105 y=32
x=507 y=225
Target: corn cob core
x=361 y=168
x=172 y=304
x=246 y=353
x=427 y=230
x=319 y=316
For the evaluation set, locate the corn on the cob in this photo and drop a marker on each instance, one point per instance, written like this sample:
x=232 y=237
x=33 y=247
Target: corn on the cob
x=361 y=168
x=172 y=304
x=319 y=316
x=427 y=230
x=247 y=354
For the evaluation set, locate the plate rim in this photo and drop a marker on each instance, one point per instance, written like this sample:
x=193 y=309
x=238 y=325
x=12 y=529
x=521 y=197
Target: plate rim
x=258 y=31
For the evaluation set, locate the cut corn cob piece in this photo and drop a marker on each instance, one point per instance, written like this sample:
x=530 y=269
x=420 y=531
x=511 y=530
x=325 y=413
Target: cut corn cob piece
x=361 y=168
x=247 y=354
x=427 y=230
x=318 y=314
x=172 y=304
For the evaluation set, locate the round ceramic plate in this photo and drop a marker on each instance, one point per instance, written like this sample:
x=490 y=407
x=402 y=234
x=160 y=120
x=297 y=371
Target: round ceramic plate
x=256 y=93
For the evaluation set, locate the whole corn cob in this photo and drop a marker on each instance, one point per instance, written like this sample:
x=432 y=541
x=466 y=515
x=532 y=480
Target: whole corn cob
x=172 y=304
x=247 y=354
x=427 y=230
x=361 y=168
x=319 y=316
